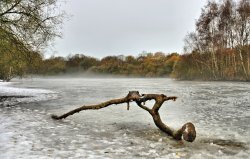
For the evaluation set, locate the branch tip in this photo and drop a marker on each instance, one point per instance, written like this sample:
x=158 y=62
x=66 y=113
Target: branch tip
x=53 y=116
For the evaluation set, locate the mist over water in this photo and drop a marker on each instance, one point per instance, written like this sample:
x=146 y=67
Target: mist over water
x=219 y=110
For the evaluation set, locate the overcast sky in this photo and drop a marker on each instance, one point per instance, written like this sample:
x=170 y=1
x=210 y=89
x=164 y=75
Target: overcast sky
x=113 y=27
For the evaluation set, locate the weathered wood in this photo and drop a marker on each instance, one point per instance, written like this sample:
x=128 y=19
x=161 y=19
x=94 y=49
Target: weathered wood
x=187 y=131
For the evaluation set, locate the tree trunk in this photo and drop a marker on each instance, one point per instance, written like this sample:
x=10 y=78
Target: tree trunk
x=235 y=66
x=243 y=66
x=187 y=131
x=248 y=63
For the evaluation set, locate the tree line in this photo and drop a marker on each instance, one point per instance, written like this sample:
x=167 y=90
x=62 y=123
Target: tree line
x=219 y=48
x=145 y=65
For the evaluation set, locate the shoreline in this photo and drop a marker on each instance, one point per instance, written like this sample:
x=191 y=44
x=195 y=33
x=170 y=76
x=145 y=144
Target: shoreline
x=6 y=97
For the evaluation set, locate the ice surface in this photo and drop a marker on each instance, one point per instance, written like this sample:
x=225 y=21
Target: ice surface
x=219 y=110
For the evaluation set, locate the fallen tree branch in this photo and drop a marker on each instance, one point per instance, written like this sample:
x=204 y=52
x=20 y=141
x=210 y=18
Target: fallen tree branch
x=187 y=131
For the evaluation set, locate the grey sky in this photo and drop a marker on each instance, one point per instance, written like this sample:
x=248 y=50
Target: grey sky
x=113 y=27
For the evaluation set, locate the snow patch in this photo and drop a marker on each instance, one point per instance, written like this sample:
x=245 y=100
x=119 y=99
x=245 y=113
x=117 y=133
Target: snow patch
x=27 y=94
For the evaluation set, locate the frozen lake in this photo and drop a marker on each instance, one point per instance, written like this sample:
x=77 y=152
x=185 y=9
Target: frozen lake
x=219 y=110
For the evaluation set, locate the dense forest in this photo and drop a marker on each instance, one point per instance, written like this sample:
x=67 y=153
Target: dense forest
x=219 y=48
x=145 y=65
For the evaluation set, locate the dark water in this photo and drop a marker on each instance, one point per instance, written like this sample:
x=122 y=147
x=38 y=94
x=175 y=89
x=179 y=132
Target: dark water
x=219 y=110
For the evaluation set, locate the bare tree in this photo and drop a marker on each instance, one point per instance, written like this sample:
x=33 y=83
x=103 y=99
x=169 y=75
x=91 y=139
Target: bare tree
x=223 y=33
x=243 y=31
x=226 y=23
x=26 y=26
x=33 y=22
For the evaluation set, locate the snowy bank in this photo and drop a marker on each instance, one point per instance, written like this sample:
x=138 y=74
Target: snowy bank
x=10 y=95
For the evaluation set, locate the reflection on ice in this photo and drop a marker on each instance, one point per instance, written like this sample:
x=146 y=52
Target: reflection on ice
x=219 y=110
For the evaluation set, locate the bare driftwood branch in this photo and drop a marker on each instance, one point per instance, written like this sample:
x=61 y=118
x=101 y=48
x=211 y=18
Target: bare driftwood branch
x=187 y=131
